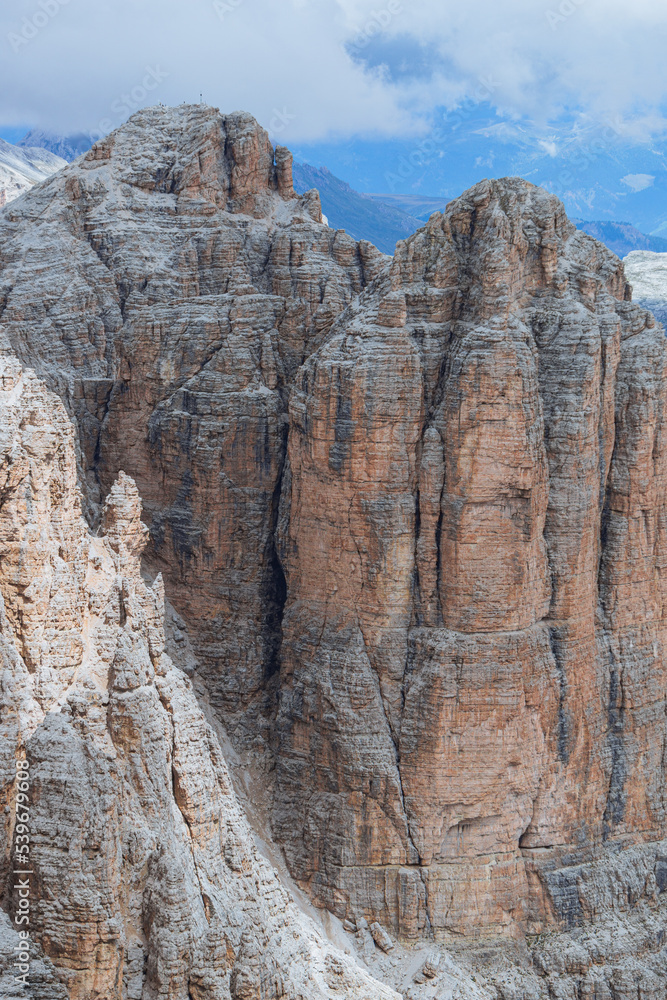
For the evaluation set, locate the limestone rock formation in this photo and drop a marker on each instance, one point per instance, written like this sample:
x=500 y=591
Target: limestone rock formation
x=170 y=287
x=410 y=515
x=473 y=687
x=146 y=881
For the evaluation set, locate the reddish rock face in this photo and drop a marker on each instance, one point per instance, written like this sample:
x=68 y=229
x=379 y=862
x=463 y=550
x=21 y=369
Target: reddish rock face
x=169 y=284
x=473 y=662
x=420 y=502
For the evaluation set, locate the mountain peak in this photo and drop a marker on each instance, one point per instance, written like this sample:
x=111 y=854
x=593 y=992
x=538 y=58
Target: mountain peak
x=193 y=151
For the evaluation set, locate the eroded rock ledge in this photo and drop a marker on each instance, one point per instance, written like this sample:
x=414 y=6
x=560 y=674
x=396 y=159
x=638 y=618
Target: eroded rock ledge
x=411 y=513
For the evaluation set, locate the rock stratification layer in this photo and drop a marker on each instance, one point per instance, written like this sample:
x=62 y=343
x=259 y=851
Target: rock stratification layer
x=169 y=285
x=145 y=878
x=411 y=513
x=474 y=547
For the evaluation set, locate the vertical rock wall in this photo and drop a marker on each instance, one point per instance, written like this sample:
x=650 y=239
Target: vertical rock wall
x=411 y=512
x=145 y=879
x=168 y=285
x=473 y=661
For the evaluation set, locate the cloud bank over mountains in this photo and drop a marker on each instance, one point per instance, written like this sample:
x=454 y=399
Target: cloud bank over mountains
x=321 y=69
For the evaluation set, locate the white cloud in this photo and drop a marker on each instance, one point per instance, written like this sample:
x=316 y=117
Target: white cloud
x=638 y=182
x=310 y=60
x=549 y=146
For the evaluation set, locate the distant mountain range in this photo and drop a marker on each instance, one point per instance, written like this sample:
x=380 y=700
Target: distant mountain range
x=383 y=219
x=621 y=237
x=22 y=168
x=600 y=170
x=67 y=147
x=417 y=206
x=360 y=215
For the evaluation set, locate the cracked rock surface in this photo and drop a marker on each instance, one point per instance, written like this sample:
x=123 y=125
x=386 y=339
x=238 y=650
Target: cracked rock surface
x=473 y=538
x=147 y=882
x=409 y=517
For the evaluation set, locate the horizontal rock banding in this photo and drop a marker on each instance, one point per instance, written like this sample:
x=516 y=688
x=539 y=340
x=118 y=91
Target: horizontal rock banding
x=410 y=512
x=474 y=572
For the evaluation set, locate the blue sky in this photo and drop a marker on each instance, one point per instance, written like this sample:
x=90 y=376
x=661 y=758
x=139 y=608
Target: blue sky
x=456 y=90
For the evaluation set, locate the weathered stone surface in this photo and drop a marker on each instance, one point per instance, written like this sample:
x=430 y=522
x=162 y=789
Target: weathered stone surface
x=381 y=938
x=429 y=969
x=411 y=516
x=473 y=541
x=43 y=978
x=145 y=878
x=168 y=285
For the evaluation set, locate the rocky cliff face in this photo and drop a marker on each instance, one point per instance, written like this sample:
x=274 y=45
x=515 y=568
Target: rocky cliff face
x=411 y=513
x=473 y=540
x=146 y=879
x=181 y=283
